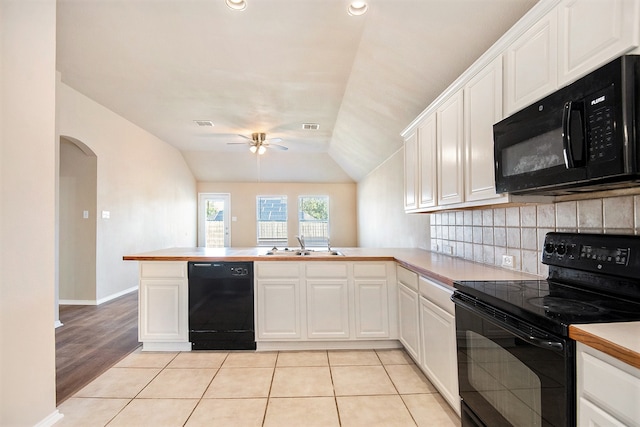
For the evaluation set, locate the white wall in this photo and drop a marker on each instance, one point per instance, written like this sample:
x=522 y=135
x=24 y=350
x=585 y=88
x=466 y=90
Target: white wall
x=342 y=208
x=143 y=182
x=27 y=211
x=382 y=221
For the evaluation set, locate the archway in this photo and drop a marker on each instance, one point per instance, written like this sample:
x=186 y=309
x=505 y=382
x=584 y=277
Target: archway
x=77 y=223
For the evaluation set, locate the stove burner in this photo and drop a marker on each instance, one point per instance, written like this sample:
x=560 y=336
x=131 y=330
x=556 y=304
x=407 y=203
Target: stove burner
x=565 y=305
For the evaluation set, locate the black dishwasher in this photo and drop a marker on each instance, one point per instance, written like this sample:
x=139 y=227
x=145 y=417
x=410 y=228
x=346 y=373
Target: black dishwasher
x=221 y=306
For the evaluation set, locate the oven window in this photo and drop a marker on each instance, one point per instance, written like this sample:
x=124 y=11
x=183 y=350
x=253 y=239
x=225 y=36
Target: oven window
x=504 y=381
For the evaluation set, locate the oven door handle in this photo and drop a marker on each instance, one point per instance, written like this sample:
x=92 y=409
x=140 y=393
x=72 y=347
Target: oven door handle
x=533 y=340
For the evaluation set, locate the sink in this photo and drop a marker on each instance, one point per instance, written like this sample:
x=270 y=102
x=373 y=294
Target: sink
x=302 y=253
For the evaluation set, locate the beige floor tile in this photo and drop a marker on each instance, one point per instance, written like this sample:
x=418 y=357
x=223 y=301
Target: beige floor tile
x=250 y=360
x=155 y=413
x=373 y=411
x=228 y=412
x=140 y=359
x=302 y=411
x=198 y=359
x=302 y=381
x=394 y=357
x=302 y=358
x=353 y=357
x=361 y=380
x=179 y=383
x=84 y=412
x=240 y=382
x=431 y=410
x=119 y=382
x=409 y=379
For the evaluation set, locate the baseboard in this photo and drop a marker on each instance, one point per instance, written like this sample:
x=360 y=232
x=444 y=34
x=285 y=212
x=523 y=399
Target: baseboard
x=328 y=345
x=116 y=295
x=77 y=302
x=57 y=324
x=51 y=419
x=97 y=302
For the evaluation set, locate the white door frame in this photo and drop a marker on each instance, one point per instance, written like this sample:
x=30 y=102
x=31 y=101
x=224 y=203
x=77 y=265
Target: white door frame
x=202 y=197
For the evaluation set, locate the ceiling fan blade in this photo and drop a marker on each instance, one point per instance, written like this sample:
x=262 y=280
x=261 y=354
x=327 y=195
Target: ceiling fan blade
x=270 y=140
x=239 y=143
x=277 y=147
x=246 y=137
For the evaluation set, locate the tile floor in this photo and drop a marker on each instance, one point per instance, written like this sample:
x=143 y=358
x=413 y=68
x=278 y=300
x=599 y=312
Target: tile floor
x=307 y=388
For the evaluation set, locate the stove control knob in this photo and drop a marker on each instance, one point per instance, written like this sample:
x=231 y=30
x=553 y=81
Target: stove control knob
x=561 y=249
x=549 y=248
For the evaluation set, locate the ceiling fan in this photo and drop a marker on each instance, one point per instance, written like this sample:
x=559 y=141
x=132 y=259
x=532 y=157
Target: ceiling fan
x=258 y=142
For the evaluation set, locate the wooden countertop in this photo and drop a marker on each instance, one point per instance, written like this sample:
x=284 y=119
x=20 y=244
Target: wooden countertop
x=619 y=340
x=439 y=267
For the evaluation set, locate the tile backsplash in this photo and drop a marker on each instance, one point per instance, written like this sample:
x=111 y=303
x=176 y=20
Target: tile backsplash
x=485 y=235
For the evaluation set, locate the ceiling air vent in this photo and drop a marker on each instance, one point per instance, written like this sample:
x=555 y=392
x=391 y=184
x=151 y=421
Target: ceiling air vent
x=310 y=126
x=208 y=123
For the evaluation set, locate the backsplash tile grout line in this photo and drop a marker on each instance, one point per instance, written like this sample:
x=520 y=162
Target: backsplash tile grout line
x=485 y=235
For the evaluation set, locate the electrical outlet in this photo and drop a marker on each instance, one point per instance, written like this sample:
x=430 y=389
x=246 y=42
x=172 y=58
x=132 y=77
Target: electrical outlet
x=507 y=261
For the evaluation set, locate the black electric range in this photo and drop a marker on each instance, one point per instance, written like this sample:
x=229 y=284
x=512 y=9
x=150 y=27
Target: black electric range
x=593 y=278
x=516 y=362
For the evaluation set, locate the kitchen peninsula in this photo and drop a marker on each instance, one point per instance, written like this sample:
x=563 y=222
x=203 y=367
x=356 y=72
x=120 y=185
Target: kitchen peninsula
x=348 y=300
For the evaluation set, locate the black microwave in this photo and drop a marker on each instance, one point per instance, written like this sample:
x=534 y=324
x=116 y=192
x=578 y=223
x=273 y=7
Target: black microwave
x=583 y=137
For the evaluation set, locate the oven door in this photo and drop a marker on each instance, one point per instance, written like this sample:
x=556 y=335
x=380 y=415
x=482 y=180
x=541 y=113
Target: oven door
x=512 y=373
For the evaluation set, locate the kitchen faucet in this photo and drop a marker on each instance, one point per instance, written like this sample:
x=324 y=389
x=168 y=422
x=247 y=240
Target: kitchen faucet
x=301 y=241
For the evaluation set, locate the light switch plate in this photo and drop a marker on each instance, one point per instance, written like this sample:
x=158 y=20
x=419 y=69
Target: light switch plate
x=106 y=214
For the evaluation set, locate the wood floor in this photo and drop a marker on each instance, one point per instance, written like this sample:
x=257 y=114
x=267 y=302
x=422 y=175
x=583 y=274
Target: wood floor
x=92 y=340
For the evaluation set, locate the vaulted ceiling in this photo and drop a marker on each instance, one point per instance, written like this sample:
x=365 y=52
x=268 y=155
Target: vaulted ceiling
x=162 y=64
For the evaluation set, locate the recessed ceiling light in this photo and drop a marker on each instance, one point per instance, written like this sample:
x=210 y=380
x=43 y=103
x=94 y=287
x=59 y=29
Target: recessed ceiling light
x=236 y=4
x=357 y=8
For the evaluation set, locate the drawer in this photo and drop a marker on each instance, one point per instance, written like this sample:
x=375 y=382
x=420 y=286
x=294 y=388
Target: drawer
x=364 y=270
x=407 y=278
x=327 y=269
x=160 y=269
x=438 y=294
x=277 y=269
x=610 y=384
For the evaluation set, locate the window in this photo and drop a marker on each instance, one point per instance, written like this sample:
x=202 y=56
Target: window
x=313 y=218
x=272 y=220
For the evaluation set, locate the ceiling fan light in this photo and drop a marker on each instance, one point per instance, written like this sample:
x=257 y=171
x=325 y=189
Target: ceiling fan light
x=262 y=149
x=236 y=4
x=253 y=149
x=357 y=8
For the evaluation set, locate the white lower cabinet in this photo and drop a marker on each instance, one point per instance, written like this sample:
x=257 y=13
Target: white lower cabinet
x=608 y=390
x=313 y=300
x=427 y=330
x=278 y=296
x=371 y=291
x=439 y=359
x=163 y=306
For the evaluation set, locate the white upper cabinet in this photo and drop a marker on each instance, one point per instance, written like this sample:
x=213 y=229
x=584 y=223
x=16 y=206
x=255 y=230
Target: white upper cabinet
x=427 y=170
x=593 y=32
x=420 y=179
x=482 y=108
x=531 y=64
x=410 y=172
x=449 y=130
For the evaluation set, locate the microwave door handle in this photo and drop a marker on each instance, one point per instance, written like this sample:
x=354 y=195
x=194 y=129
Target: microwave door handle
x=572 y=144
